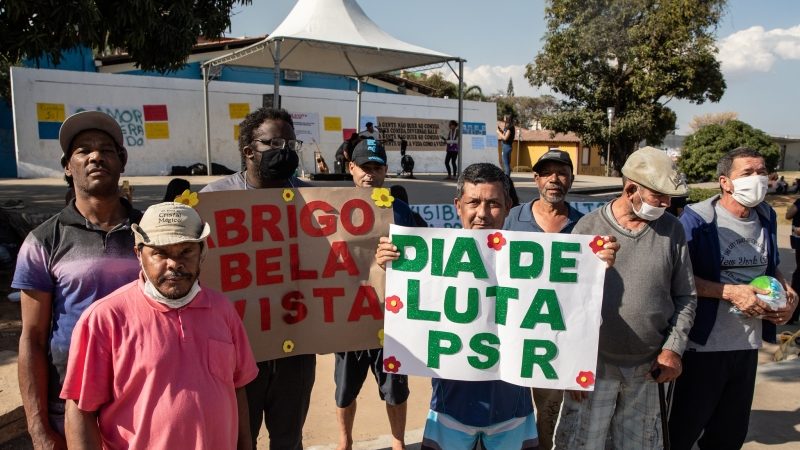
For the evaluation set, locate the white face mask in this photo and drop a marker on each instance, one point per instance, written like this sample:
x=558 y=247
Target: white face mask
x=173 y=303
x=648 y=212
x=750 y=191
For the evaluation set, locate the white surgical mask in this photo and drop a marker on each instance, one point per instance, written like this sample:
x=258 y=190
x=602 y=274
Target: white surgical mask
x=648 y=212
x=750 y=191
x=172 y=303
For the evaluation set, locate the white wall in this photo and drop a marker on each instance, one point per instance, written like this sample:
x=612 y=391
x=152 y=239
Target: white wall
x=184 y=101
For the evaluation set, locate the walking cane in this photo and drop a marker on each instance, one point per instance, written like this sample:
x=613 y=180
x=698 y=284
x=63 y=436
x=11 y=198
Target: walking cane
x=664 y=400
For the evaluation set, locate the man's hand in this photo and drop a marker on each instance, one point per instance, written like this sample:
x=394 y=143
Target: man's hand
x=609 y=252
x=386 y=252
x=743 y=297
x=782 y=315
x=667 y=366
x=48 y=439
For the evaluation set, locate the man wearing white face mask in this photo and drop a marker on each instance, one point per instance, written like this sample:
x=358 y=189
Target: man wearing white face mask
x=732 y=240
x=648 y=308
x=162 y=362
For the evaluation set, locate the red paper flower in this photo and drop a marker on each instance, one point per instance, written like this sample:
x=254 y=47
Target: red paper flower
x=585 y=379
x=597 y=243
x=394 y=304
x=391 y=365
x=496 y=241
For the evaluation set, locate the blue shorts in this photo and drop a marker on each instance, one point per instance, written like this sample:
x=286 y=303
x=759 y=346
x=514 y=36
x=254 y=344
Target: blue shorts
x=443 y=432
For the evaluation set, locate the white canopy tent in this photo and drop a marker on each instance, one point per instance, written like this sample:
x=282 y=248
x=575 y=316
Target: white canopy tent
x=336 y=37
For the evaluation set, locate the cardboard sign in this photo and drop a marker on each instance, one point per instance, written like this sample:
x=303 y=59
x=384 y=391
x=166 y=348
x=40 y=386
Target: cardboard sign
x=299 y=265
x=494 y=305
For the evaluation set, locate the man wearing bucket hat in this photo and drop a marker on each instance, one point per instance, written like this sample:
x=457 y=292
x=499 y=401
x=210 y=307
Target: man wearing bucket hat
x=648 y=308
x=78 y=256
x=162 y=362
x=732 y=240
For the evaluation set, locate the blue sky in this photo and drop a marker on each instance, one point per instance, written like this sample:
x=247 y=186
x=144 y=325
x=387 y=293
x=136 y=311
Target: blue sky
x=759 y=43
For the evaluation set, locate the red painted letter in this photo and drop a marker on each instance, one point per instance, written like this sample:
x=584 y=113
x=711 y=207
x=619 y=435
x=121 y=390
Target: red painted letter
x=327 y=295
x=294 y=264
x=296 y=310
x=234 y=272
x=230 y=227
x=369 y=308
x=367 y=214
x=339 y=251
x=270 y=224
x=264 y=267
x=326 y=221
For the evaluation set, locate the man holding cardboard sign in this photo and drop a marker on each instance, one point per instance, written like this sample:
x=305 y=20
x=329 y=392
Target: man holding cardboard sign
x=496 y=413
x=649 y=300
x=281 y=393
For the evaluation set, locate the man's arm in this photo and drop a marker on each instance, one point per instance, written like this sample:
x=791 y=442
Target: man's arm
x=32 y=368
x=83 y=432
x=244 y=441
x=743 y=296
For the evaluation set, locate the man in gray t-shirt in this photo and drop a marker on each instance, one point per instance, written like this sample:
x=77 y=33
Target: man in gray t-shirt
x=732 y=240
x=648 y=309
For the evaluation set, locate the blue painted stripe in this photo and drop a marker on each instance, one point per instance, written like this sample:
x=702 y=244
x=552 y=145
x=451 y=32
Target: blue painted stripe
x=49 y=130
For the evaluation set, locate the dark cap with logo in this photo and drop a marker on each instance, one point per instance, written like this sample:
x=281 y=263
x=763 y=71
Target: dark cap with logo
x=554 y=155
x=369 y=150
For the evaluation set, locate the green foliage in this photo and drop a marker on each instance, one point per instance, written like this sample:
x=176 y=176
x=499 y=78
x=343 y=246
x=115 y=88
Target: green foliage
x=157 y=34
x=510 y=88
x=704 y=148
x=442 y=87
x=699 y=194
x=633 y=55
x=526 y=109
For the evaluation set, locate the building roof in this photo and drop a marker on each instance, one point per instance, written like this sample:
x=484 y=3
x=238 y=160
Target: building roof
x=203 y=46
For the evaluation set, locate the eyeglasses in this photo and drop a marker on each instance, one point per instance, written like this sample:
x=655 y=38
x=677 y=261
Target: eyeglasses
x=281 y=143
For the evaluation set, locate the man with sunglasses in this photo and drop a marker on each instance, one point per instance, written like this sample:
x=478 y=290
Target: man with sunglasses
x=281 y=393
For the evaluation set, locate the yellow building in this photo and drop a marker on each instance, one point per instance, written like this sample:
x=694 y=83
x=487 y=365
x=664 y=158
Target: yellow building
x=529 y=145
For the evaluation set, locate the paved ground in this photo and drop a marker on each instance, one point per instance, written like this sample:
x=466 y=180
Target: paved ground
x=775 y=421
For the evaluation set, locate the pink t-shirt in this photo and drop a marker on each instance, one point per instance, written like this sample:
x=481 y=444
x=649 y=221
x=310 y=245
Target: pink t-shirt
x=158 y=377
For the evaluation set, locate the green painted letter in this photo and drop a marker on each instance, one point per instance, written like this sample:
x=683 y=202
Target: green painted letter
x=531 y=358
x=414 y=311
x=482 y=344
x=450 y=311
x=436 y=349
x=474 y=263
x=558 y=262
x=516 y=249
x=535 y=315
x=401 y=241
x=502 y=294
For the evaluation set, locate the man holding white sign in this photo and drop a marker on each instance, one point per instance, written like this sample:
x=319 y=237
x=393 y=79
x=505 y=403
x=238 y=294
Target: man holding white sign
x=493 y=338
x=649 y=300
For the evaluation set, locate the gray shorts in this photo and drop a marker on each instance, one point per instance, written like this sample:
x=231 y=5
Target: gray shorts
x=351 y=371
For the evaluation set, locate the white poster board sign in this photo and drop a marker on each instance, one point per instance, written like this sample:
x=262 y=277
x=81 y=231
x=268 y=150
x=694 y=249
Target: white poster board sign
x=479 y=305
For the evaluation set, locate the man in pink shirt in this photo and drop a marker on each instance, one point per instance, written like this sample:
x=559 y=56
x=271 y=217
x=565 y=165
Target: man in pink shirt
x=162 y=362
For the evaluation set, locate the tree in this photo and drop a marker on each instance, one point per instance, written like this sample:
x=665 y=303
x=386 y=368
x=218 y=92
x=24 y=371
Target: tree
x=721 y=118
x=703 y=149
x=527 y=110
x=157 y=34
x=632 y=55
x=510 y=88
x=442 y=87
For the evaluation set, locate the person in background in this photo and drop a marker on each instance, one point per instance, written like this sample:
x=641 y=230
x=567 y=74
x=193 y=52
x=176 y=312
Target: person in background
x=371 y=132
x=344 y=152
x=794 y=242
x=80 y=255
x=507 y=134
x=451 y=152
x=281 y=393
x=175 y=188
x=162 y=362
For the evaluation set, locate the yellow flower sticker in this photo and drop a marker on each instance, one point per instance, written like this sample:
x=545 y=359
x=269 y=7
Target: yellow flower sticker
x=188 y=198
x=288 y=195
x=383 y=198
x=288 y=346
x=380 y=336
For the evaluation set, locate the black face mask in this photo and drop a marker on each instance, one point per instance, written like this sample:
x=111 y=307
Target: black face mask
x=278 y=164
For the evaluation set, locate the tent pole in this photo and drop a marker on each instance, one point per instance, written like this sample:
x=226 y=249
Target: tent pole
x=358 y=104
x=460 y=115
x=205 y=105
x=276 y=86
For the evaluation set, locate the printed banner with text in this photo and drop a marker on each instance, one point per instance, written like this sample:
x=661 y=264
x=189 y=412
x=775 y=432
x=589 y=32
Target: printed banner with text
x=494 y=305
x=299 y=265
